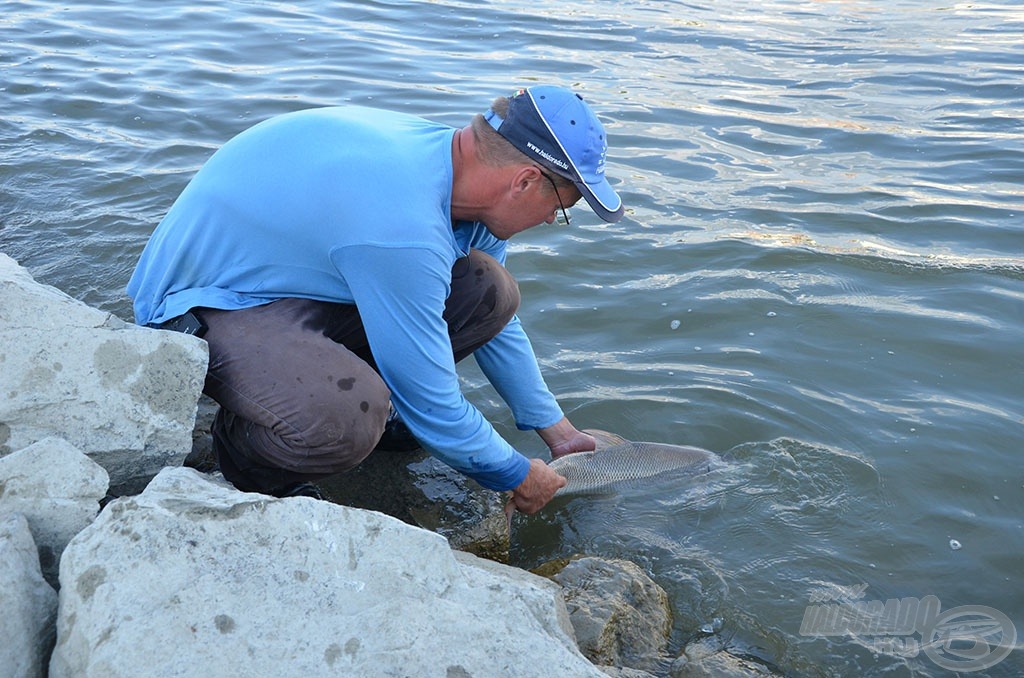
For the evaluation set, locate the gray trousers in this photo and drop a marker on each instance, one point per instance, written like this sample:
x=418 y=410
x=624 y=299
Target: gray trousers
x=299 y=394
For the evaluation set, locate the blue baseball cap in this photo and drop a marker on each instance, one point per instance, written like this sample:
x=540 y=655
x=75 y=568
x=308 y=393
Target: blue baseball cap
x=556 y=128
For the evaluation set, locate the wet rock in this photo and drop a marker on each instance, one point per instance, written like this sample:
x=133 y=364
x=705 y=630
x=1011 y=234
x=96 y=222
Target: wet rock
x=719 y=665
x=57 y=489
x=124 y=395
x=201 y=456
x=620 y=615
x=707 y=658
x=624 y=672
x=192 y=573
x=420 y=490
x=28 y=605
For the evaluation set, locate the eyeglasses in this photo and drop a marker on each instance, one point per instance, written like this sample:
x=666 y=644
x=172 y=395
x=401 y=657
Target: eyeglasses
x=564 y=221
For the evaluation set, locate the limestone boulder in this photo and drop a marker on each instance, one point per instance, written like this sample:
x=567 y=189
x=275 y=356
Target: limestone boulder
x=192 y=574
x=412 y=486
x=124 y=395
x=421 y=490
x=28 y=605
x=58 y=489
x=621 y=617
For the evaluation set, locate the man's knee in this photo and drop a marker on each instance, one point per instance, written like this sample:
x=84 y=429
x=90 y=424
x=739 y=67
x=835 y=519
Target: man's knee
x=501 y=291
x=484 y=294
x=506 y=296
x=316 y=432
x=343 y=433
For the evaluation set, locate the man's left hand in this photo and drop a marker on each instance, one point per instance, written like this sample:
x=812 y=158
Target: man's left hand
x=563 y=438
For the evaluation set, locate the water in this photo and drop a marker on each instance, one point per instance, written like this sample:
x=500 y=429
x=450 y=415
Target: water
x=820 y=275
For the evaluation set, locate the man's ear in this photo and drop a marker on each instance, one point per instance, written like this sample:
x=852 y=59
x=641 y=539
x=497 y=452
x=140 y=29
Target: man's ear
x=524 y=178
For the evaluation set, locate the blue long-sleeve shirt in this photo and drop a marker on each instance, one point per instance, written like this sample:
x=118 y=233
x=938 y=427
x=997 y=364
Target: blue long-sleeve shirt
x=350 y=205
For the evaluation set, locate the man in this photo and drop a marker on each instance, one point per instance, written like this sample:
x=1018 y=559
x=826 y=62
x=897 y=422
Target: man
x=339 y=262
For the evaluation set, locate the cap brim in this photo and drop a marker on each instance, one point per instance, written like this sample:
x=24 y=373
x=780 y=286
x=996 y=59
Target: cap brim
x=603 y=199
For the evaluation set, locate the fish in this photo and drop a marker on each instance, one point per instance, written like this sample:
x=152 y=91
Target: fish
x=617 y=461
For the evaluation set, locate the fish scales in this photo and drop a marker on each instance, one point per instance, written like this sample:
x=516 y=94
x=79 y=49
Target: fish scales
x=589 y=472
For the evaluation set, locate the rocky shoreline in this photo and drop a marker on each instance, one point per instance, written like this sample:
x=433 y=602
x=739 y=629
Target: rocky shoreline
x=180 y=574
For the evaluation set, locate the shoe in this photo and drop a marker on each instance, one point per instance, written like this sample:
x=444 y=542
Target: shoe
x=302 y=489
x=397 y=437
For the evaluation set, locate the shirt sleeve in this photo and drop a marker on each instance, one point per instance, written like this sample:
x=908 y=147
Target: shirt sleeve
x=509 y=362
x=400 y=292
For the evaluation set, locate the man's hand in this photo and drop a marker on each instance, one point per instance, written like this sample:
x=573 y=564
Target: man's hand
x=537 y=489
x=542 y=482
x=563 y=438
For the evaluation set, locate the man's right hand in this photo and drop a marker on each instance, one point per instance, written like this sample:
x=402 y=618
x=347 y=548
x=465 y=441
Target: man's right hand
x=537 y=488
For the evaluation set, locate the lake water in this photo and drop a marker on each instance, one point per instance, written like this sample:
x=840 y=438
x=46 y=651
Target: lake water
x=820 y=274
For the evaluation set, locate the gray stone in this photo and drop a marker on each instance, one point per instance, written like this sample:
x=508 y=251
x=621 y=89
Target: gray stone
x=708 y=657
x=124 y=395
x=421 y=490
x=58 y=489
x=718 y=665
x=28 y=605
x=192 y=573
x=413 y=486
x=620 y=615
x=703 y=648
x=625 y=672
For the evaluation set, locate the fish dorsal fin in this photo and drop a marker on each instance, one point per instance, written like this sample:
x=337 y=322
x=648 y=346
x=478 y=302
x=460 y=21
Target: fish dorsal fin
x=606 y=439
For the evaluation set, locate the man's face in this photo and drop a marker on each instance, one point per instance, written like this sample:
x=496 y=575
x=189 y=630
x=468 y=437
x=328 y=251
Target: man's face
x=530 y=203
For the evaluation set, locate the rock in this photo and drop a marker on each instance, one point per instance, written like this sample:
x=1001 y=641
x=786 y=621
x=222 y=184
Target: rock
x=412 y=486
x=57 y=489
x=192 y=573
x=707 y=657
x=719 y=665
x=703 y=648
x=421 y=490
x=624 y=672
x=471 y=517
x=124 y=395
x=620 y=615
x=202 y=457
x=28 y=605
